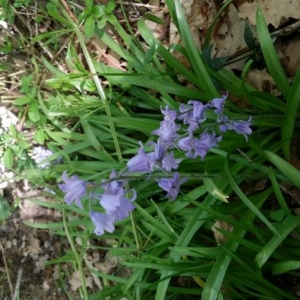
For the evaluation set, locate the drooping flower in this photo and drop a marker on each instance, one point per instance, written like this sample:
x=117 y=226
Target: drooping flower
x=140 y=162
x=114 y=198
x=206 y=142
x=124 y=209
x=171 y=185
x=167 y=131
x=74 y=188
x=113 y=185
x=103 y=222
x=224 y=124
x=198 y=111
x=218 y=104
x=158 y=154
x=169 y=114
x=169 y=162
x=40 y=154
x=116 y=201
x=192 y=114
x=186 y=144
x=242 y=127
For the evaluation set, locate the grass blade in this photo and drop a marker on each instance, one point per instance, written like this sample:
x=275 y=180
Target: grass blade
x=246 y=200
x=217 y=274
x=193 y=53
x=289 y=224
x=290 y=116
x=270 y=55
x=287 y=169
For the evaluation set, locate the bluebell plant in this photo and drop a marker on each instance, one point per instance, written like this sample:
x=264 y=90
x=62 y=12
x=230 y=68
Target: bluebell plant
x=191 y=137
x=40 y=154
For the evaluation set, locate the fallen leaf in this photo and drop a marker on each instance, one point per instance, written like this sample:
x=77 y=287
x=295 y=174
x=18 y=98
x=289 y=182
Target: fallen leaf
x=199 y=14
x=229 y=34
x=33 y=246
x=220 y=237
x=262 y=81
x=75 y=281
x=276 y=12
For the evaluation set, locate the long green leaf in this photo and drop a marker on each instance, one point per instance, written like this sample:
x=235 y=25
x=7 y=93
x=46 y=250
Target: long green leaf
x=290 y=116
x=246 y=200
x=289 y=224
x=270 y=55
x=287 y=169
x=217 y=274
x=193 y=53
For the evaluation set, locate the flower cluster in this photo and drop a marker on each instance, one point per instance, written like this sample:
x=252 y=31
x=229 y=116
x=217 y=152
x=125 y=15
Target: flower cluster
x=112 y=199
x=40 y=154
x=193 y=140
x=191 y=137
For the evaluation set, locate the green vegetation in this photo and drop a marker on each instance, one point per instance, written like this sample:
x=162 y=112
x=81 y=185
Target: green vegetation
x=92 y=113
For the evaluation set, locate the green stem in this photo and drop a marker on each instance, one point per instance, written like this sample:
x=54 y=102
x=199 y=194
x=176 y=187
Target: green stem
x=77 y=257
x=97 y=83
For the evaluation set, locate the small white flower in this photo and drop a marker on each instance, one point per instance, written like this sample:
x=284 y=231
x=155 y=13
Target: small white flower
x=39 y=154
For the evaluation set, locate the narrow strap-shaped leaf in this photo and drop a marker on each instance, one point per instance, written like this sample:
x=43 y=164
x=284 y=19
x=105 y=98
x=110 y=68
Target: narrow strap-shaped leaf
x=290 y=115
x=289 y=224
x=246 y=200
x=270 y=55
x=286 y=168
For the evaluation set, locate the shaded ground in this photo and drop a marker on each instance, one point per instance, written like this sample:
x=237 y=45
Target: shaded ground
x=24 y=251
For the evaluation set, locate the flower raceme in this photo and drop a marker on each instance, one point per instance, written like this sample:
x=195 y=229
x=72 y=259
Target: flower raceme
x=193 y=140
x=189 y=137
x=113 y=200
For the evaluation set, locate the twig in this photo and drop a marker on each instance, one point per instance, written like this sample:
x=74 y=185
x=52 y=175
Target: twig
x=22 y=121
x=7 y=272
x=18 y=284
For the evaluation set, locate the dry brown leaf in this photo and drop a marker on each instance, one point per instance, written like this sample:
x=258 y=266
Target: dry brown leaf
x=158 y=30
x=276 y=12
x=33 y=246
x=75 y=281
x=90 y=266
x=262 y=81
x=40 y=263
x=292 y=55
x=219 y=237
x=228 y=36
x=199 y=14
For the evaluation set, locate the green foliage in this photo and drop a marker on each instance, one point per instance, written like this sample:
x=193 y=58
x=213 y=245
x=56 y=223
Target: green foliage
x=95 y=116
x=4 y=209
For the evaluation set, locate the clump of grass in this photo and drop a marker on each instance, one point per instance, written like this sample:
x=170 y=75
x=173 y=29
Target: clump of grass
x=93 y=121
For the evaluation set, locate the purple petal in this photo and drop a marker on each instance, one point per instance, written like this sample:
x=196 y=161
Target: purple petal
x=206 y=142
x=169 y=162
x=219 y=104
x=74 y=189
x=139 y=163
x=102 y=222
x=169 y=114
x=110 y=202
x=171 y=185
x=198 y=110
x=242 y=127
x=123 y=211
x=167 y=131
